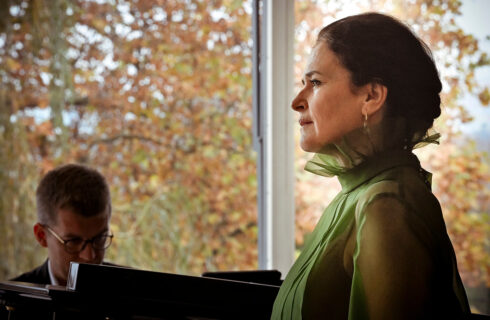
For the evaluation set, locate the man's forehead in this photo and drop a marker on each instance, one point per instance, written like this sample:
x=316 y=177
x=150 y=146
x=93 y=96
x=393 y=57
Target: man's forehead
x=69 y=220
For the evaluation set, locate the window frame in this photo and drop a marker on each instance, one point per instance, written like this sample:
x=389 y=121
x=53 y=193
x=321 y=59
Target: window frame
x=273 y=36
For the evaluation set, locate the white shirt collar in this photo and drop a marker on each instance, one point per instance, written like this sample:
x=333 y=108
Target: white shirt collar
x=51 y=276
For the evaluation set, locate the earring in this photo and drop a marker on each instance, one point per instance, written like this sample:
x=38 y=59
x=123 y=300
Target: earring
x=365 y=124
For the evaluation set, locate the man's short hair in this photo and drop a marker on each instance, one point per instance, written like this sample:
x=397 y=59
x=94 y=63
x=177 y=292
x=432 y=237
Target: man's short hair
x=75 y=187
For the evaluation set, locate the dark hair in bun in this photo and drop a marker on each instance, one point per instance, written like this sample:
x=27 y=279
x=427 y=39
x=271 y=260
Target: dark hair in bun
x=378 y=48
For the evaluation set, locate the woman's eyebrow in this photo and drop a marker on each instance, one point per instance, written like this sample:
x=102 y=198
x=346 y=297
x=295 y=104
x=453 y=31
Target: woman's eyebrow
x=312 y=72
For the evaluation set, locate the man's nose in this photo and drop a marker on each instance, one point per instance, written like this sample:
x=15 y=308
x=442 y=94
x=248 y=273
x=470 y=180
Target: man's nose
x=88 y=253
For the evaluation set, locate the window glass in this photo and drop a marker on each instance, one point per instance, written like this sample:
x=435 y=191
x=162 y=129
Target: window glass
x=154 y=94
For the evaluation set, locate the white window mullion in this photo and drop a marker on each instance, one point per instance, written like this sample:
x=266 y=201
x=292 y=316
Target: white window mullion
x=275 y=139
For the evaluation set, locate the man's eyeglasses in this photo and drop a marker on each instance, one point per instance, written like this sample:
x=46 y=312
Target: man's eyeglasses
x=77 y=245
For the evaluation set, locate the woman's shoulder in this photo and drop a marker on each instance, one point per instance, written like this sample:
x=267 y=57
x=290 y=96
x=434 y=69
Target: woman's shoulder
x=401 y=195
x=406 y=184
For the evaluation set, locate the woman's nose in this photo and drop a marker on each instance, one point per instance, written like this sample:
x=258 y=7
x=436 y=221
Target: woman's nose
x=299 y=102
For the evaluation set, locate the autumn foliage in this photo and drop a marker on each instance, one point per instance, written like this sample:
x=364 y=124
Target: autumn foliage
x=157 y=96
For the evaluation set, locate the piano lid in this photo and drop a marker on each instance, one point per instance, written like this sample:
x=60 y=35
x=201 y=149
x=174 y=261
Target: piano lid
x=193 y=295
x=25 y=287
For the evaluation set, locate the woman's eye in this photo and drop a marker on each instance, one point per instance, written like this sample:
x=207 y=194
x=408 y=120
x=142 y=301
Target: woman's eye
x=315 y=82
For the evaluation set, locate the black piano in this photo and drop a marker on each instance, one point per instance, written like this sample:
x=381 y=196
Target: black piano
x=111 y=292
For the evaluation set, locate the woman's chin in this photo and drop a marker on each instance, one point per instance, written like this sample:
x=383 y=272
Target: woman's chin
x=308 y=147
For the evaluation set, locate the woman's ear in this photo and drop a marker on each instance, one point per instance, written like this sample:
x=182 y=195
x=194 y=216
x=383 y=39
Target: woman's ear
x=376 y=94
x=40 y=234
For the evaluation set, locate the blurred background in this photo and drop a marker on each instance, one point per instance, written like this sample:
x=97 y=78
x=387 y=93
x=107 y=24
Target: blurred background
x=157 y=95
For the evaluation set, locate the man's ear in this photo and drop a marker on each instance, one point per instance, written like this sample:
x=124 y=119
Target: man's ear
x=375 y=94
x=40 y=234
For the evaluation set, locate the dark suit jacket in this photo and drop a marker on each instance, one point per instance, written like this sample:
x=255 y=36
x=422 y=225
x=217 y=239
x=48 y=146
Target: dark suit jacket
x=40 y=275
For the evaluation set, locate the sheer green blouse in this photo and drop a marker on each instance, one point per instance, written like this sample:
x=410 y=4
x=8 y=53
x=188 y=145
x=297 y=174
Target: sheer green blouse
x=379 y=251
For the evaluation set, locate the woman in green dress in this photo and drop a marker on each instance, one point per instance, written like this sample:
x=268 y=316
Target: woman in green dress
x=380 y=250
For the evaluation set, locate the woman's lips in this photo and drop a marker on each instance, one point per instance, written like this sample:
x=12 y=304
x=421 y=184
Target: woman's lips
x=303 y=122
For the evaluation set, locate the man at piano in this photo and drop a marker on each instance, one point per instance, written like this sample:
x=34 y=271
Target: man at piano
x=73 y=210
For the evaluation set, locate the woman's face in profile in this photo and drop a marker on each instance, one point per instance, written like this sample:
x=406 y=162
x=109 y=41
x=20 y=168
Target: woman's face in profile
x=327 y=106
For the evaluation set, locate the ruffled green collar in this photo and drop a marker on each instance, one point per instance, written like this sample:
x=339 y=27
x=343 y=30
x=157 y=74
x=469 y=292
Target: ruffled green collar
x=361 y=155
x=352 y=178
